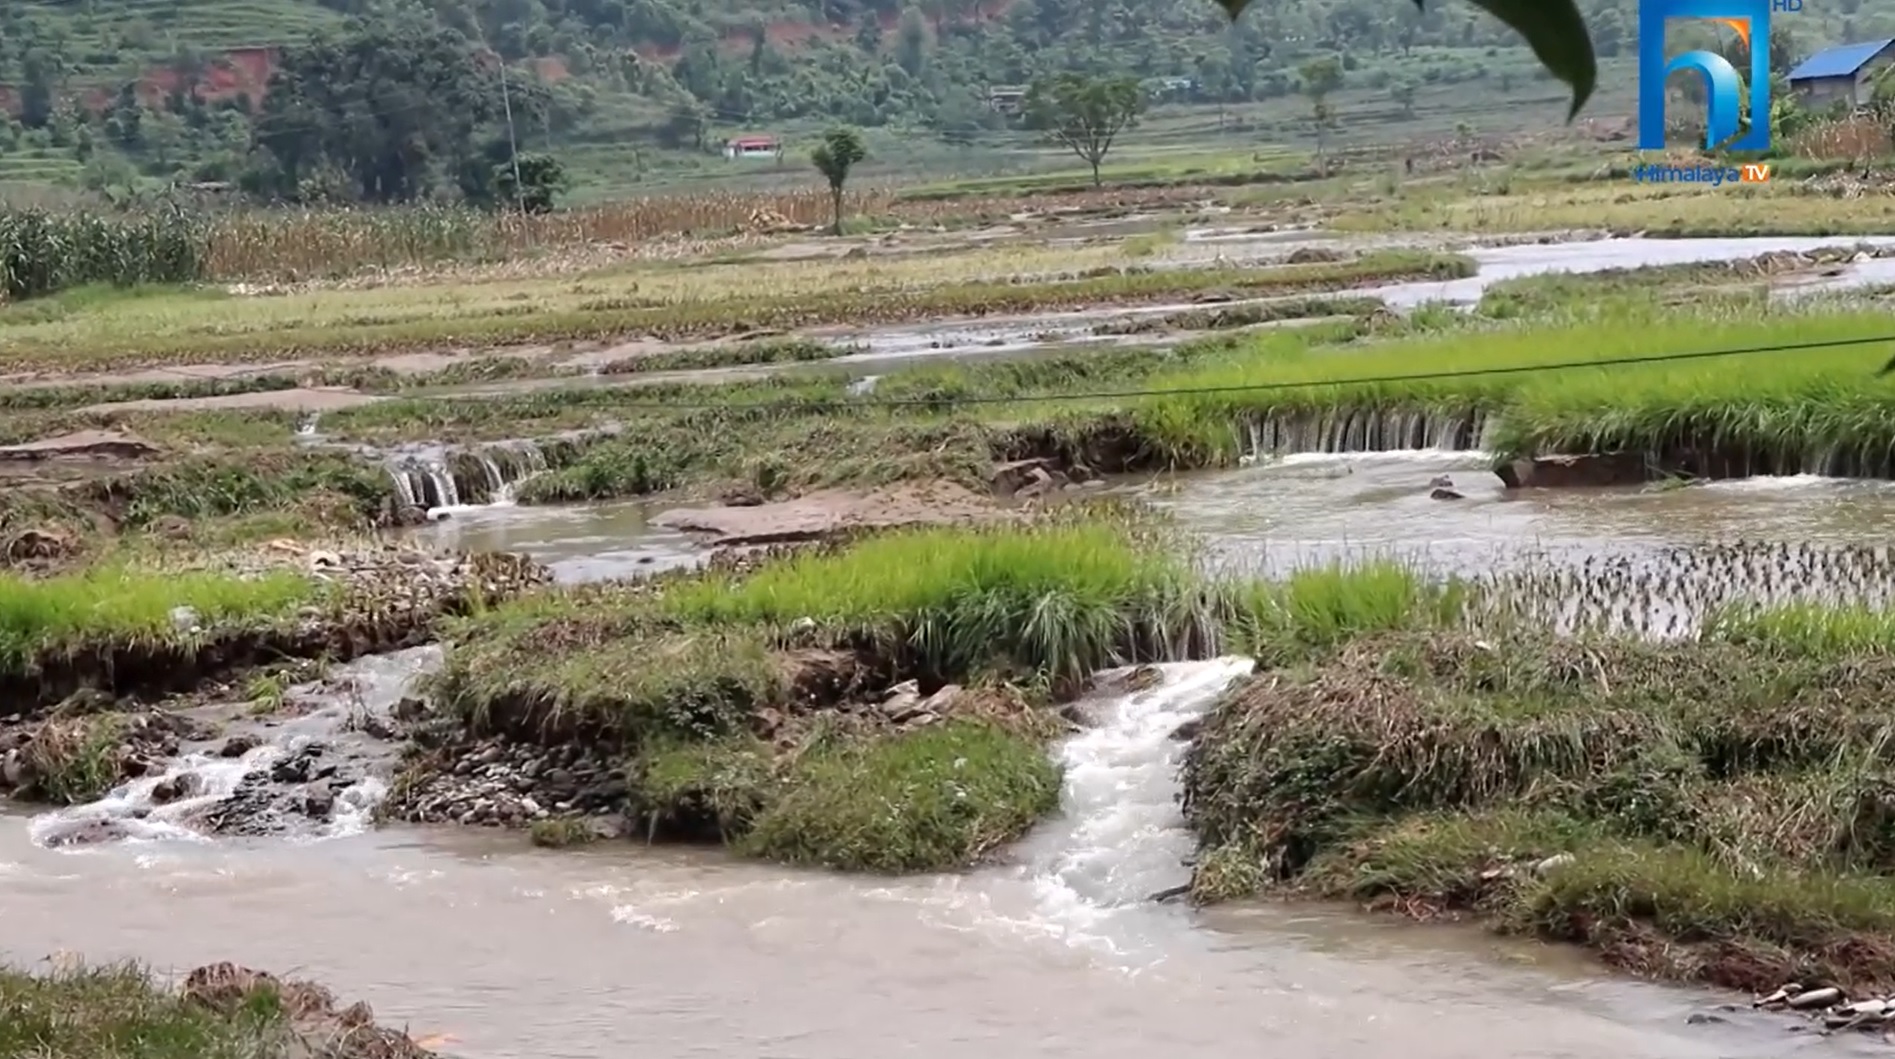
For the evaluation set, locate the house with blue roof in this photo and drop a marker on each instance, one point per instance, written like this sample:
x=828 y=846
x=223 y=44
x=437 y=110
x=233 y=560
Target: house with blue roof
x=1843 y=74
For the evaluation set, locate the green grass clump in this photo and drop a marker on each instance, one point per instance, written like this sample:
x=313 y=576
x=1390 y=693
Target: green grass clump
x=1810 y=628
x=560 y=832
x=710 y=789
x=62 y=615
x=74 y=760
x=1057 y=600
x=122 y=1013
x=937 y=798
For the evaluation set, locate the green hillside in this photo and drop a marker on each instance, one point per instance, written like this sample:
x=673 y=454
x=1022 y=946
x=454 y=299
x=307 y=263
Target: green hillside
x=628 y=95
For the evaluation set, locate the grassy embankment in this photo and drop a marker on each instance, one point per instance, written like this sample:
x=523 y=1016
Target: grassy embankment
x=1714 y=809
x=1813 y=408
x=127 y=1012
x=58 y=635
x=88 y=331
x=728 y=696
x=144 y=631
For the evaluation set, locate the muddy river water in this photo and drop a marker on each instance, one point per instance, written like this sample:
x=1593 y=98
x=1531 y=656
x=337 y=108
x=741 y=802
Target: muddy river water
x=616 y=950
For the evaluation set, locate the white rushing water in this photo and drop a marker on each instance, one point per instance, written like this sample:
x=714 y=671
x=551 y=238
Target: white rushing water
x=1120 y=836
x=135 y=812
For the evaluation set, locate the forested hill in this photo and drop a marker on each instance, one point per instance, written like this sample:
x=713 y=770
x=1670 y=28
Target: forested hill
x=105 y=92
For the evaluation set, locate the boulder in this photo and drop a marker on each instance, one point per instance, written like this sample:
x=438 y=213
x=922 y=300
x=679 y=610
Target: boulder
x=1566 y=472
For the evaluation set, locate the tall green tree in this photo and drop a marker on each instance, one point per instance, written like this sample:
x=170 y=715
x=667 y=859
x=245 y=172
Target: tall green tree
x=1086 y=114
x=1320 y=78
x=399 y=106
x=834 y=158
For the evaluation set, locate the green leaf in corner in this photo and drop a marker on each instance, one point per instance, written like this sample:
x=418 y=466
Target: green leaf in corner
x=1556 y=32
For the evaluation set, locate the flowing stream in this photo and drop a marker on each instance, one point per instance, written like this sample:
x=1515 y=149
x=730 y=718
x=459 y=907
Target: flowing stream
x=523 y=954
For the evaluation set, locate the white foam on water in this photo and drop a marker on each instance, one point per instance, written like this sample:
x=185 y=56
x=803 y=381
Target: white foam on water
x=1763 y=483
x=1121 y=836
x=141 y=819
x=631 y=916
x=354 y=811
x=1468 y=456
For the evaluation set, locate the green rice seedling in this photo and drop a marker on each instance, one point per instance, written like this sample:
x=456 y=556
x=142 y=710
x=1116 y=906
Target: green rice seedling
x=62 y=615
x=1810 y=628
x=1820 y=406
x=1323 y=607
x=931 y=800
x=1063 y=600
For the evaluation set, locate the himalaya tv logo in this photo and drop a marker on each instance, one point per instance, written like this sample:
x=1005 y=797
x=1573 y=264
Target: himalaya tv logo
x=1723 y=108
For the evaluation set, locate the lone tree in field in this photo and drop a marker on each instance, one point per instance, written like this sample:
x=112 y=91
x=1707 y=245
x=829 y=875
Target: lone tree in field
x=1320 y=78
x=1084 y=113
x=838 y=153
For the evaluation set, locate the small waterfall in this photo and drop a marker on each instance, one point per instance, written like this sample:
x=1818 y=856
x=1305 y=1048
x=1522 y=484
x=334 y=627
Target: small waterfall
x=425 y=483
x=442 y=478
x=1363 y=430
x=1121 y=836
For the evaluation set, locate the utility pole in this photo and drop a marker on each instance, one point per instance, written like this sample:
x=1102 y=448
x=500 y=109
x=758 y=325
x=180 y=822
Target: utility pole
x=513 y=143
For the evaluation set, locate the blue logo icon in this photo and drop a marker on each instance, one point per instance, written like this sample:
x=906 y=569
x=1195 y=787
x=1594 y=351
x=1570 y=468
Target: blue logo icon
x=1750 y=20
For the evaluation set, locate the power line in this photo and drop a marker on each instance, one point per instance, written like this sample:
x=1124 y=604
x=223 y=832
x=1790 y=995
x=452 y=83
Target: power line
x=1209 y=391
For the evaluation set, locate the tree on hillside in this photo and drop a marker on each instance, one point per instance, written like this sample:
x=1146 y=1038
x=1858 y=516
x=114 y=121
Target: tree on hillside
x=834 y=157
x=1085 y=113
x=400 y=108
x=540 y=179
x=1320 y=77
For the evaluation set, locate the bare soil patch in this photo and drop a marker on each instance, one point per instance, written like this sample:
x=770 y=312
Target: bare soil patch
x=82 y=445
x=832 y=512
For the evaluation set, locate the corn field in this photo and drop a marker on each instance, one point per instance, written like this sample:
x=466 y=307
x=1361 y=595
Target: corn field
x=277 y=244
x=42 y=252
